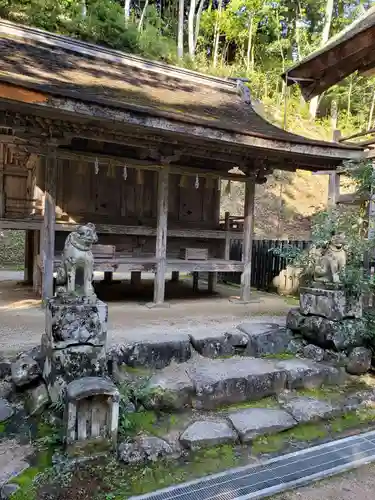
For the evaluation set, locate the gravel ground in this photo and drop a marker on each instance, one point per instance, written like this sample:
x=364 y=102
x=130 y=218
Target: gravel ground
x=22 y=319
x=356 y=485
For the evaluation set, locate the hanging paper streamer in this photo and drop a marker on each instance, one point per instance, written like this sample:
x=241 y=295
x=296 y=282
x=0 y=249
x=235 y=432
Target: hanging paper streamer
x=183 y=180
x=125 y=173
x=139 y=177
x=96 y=166
x=196 y=185
x=219 y=184
x=228 y=188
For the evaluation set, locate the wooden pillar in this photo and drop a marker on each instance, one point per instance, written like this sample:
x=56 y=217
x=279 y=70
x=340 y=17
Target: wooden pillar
x=212 y=281
x=37 y=275
x=248 y=230
x=195 y=281
x=161 y=236
x=175 y=276
x=333 y=189
x=2 y=191
x=227 y=236
x=29 y=256
x=135 y=278
x=48 y=227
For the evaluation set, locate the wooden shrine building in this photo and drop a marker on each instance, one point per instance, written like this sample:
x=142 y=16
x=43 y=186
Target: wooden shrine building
x=89 y=134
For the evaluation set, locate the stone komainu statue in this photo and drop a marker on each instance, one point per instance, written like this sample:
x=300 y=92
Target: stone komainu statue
x=330 y=261
x=77 y=254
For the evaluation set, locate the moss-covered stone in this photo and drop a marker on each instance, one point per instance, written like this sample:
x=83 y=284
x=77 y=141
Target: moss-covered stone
x=270 y=402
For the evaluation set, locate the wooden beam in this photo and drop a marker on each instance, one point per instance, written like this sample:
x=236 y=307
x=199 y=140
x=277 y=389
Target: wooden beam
x=118 y=161
x=161 y=235
x=36 y=223
x=48 y=228
x=248 y=231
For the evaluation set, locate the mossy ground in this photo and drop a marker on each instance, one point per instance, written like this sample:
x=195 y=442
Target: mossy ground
x=107 y=479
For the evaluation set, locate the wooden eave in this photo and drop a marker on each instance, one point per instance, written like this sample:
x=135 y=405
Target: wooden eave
x=349 y=51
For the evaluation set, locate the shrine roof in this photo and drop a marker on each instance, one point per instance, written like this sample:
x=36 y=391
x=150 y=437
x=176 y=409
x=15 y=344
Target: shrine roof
x=350 y=50
x=60 y=66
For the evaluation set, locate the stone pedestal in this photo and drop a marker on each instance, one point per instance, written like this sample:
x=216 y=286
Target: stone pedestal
x=328 y=318
x=74 y=342
x=331 y=304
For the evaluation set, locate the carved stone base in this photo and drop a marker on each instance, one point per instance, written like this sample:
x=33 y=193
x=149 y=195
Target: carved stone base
x=74 y=344
x=338 y=335
x=62 y=366
x=76 y=320
x=331 y=304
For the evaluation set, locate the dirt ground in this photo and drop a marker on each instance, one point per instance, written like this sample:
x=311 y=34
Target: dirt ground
x=356 y=485
x=22 y=319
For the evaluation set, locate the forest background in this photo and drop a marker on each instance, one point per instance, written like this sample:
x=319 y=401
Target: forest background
x=253 y=39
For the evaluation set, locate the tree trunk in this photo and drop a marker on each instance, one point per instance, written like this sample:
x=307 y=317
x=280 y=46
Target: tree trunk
x=140 y=25
x=348 y=111
x=83 y=8
x=325 y=37
x=327 y=21
x=191 y=28
x=249 y=45
x=371 y=115
x=217 y=32
x=180 y=39
x=198 y=22
x=127 y=11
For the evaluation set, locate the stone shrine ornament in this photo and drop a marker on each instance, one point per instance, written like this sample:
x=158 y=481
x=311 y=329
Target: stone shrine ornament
x=77 y=254
x=329 y=262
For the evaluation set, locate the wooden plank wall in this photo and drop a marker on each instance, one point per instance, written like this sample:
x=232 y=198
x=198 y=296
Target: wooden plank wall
x=106 y=197
x=18 y=181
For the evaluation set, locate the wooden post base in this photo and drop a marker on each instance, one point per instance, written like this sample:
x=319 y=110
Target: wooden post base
x=108 y=277
x=136 y=278
x=175 y=276
x=195 y=281
x=212 y=282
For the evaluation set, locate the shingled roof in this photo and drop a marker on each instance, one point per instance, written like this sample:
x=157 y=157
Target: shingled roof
x=61 y=66
x=350 y=50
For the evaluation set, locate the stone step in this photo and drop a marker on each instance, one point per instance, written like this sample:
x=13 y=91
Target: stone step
x=208 y=384
x=160 y=349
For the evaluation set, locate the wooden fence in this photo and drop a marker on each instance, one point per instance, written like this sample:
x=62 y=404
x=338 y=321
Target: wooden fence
x=265 y=263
